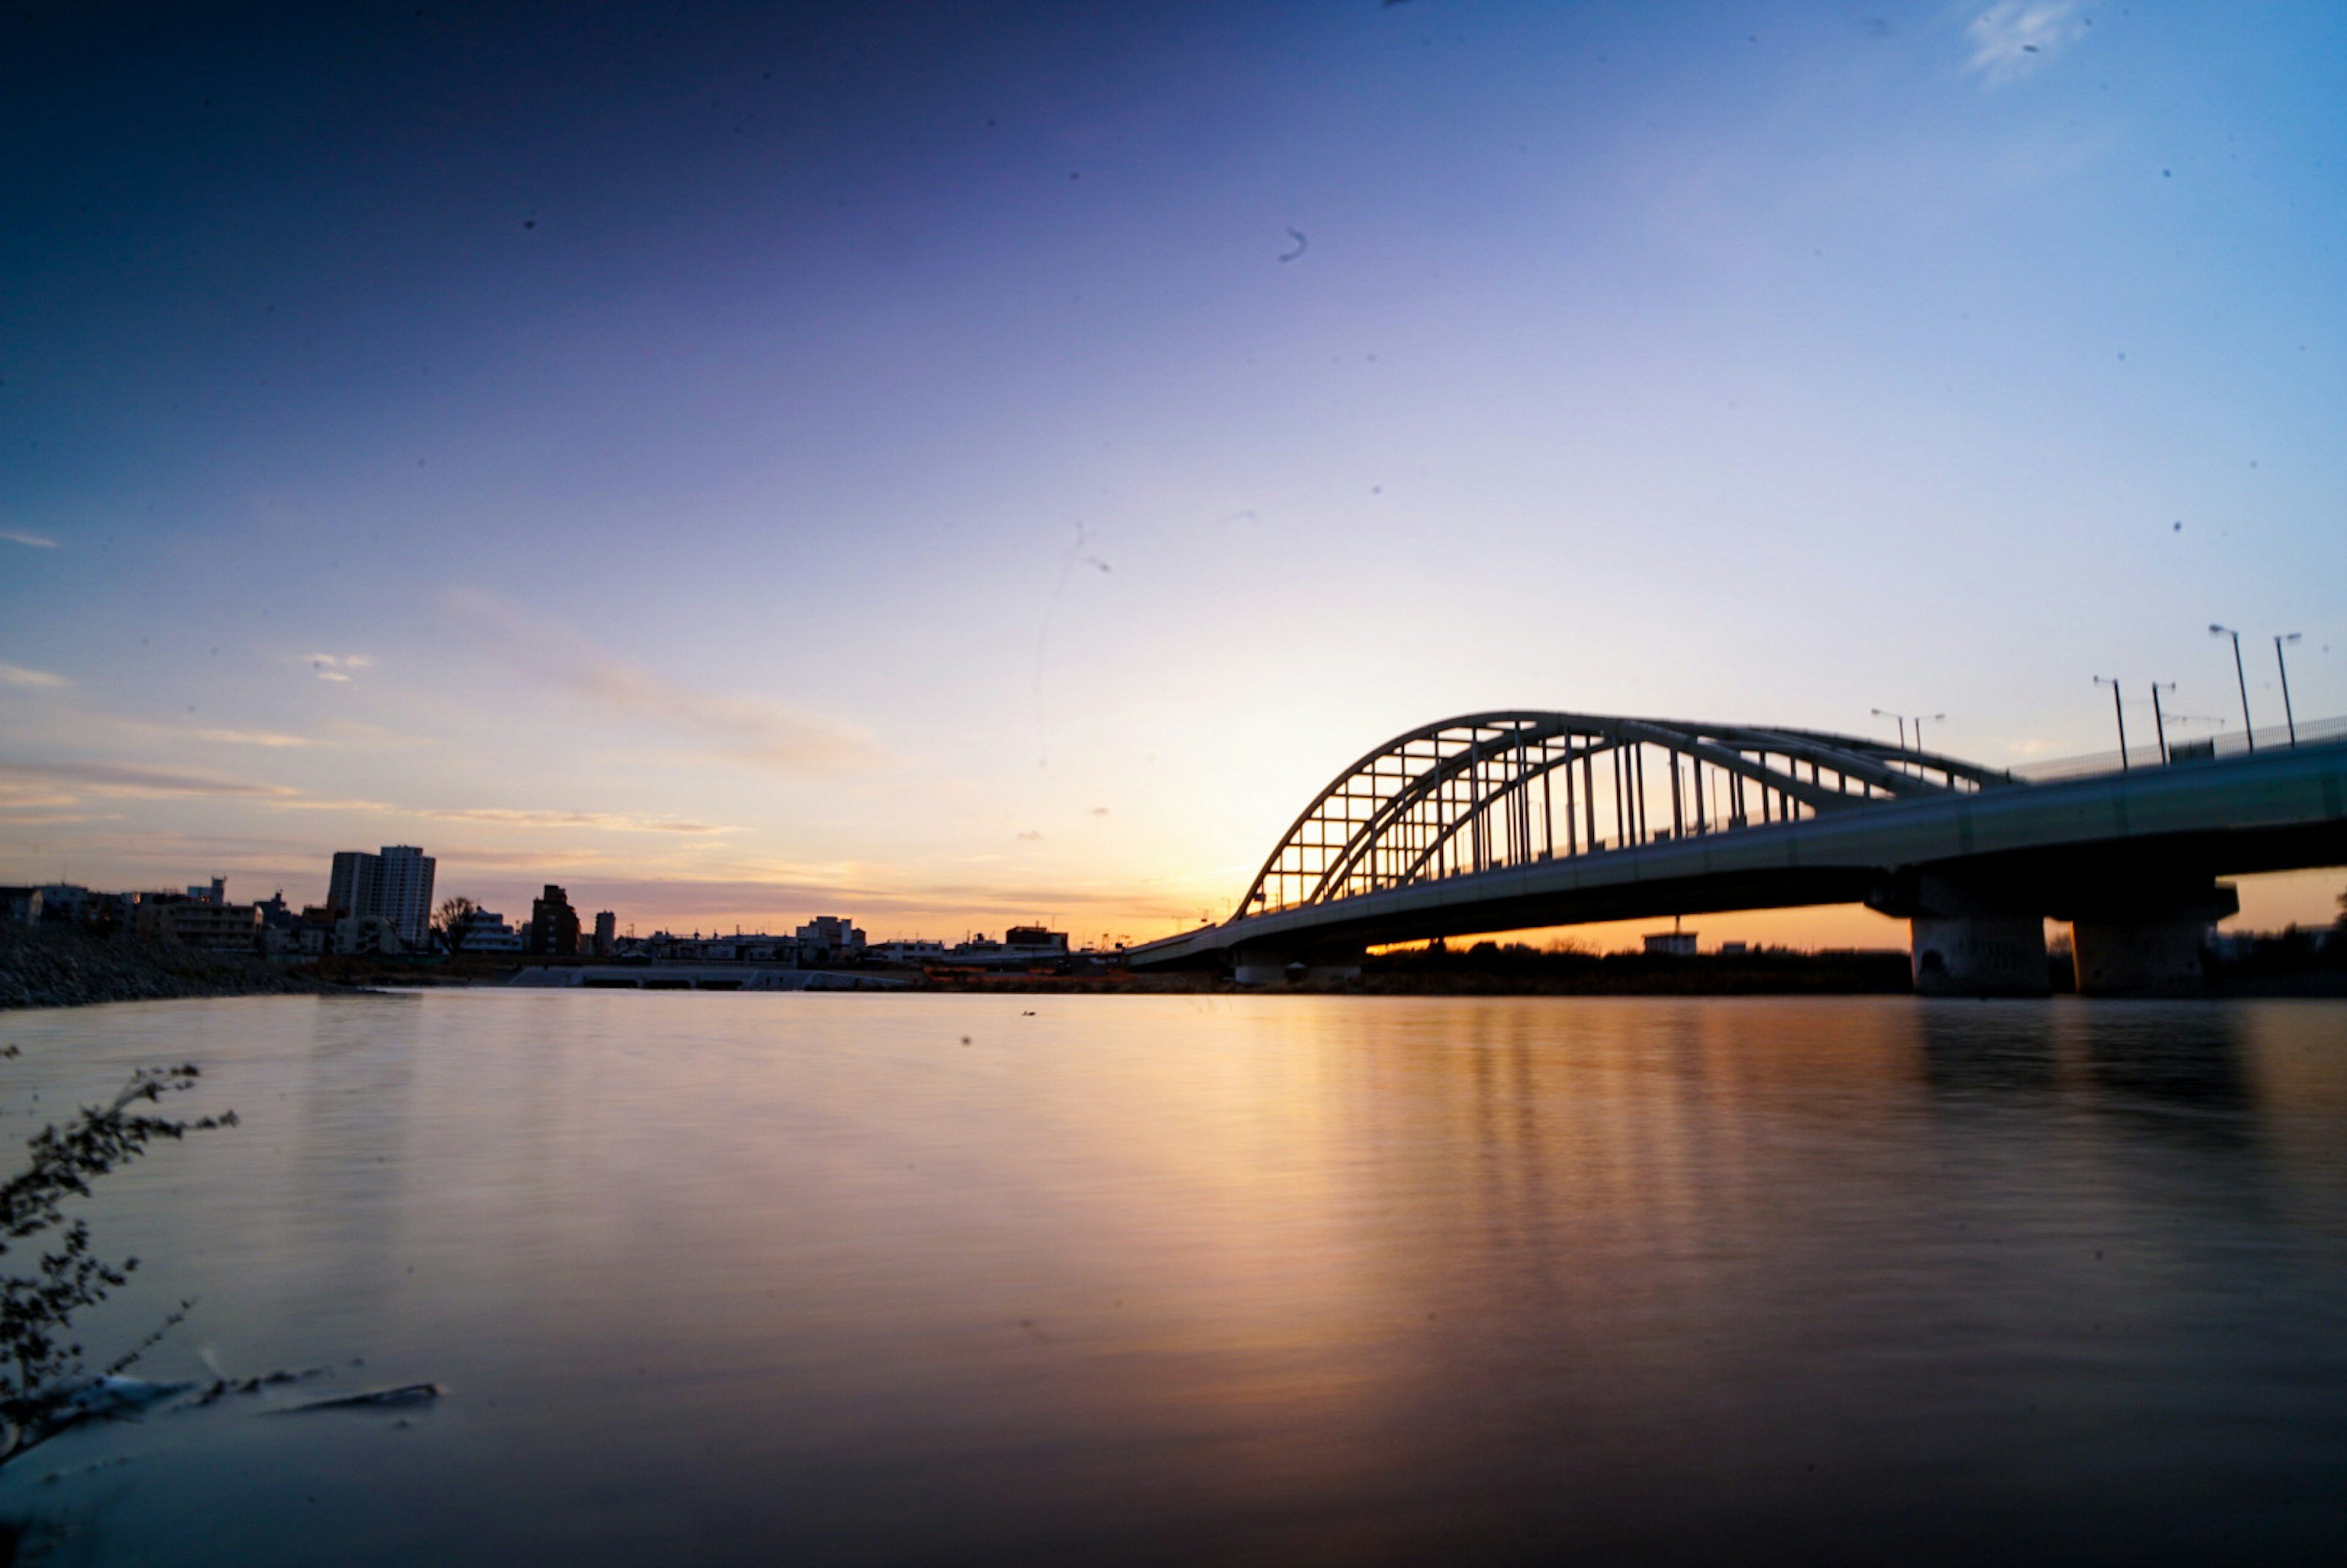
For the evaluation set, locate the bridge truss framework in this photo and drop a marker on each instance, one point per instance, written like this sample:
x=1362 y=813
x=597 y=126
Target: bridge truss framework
x=1489 y=791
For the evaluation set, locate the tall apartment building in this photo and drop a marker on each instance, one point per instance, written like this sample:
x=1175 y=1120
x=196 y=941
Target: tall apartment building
x=350 y=889
x=403 y=891
x=394 y=885
x=607 y=932
x=553 y=924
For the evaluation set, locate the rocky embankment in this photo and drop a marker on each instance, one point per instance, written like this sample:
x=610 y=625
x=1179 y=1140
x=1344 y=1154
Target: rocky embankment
x=51 y=966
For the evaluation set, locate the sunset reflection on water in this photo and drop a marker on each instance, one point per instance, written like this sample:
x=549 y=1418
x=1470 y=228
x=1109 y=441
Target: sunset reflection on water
x=803 y=1278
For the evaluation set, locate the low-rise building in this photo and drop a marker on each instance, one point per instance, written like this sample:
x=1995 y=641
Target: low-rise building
x=67 y=902
x=368 y=936
x=751 y=948
x=1021 y=948
x=486 y=931
x=20 y=906
x=213 y=927
x=827 y=938
x=313 y=931
x=302 y=939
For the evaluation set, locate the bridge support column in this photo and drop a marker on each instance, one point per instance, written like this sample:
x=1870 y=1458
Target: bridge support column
x=2148 y=946
x=1259 y=967
x=1968 y=940
x=1978 y=955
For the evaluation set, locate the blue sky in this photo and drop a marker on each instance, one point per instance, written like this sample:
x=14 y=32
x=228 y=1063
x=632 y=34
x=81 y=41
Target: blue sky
x=952 y=464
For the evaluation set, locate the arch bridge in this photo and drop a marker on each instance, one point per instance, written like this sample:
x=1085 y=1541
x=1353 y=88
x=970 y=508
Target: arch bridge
x=1520 y=818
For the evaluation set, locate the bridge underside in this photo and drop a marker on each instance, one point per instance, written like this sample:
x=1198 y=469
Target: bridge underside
x=2131 y=860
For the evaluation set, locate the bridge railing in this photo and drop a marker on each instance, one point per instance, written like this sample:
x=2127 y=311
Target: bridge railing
x=2183 y=749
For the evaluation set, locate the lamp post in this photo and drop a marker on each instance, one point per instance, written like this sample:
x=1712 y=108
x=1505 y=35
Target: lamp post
x=1903 y=720
x=2288 y=717
x=2159 y=725
x=2121 y=712
x=2248 y=734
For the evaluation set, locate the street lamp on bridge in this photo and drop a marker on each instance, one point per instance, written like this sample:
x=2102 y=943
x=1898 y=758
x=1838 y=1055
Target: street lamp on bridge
x=1903 y=720
x=2288 y=717
x=2112 y=682
x=2249 y=731
x=2158 y=724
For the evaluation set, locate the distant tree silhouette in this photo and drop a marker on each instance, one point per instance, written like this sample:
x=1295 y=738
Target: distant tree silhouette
x=454 y=921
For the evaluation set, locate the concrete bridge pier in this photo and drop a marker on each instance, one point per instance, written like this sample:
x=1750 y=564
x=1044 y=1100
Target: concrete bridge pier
x=1275 y=967
x=1257 y=966
x=1979 y=955
x=2148 y=944
x=1968 y=939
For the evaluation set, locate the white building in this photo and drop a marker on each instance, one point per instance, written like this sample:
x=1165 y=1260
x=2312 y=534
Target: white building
x=369 y=935
x=403 y=891
x=486 y=931
x=829 y=937
x=395 y=885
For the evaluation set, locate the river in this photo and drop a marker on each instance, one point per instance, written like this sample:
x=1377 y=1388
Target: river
x=897 y=1279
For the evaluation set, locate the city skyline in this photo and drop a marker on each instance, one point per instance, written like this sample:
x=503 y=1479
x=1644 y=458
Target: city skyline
x=975 y=469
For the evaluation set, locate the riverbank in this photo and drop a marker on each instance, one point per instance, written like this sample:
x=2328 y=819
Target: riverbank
x=50 y=966
x=1487 y=969
x=55 y=967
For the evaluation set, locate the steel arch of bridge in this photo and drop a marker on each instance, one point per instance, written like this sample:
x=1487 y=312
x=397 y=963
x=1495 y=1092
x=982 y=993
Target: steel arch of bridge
x=1487 y=791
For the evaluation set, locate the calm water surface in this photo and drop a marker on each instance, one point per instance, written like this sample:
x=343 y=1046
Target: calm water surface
x=806 y=1279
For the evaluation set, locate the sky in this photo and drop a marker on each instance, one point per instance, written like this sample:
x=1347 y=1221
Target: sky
x=951 y=465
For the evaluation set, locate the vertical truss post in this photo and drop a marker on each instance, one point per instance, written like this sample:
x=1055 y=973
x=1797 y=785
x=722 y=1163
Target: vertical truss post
x=1548 y=810
x=1589 y=798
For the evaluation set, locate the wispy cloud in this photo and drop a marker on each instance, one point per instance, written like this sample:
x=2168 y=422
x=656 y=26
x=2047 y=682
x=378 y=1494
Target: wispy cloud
x=102 y=780
x=18 y=675
x=752 y=728
x=251 y=738
x=19 y=536
x=338 y=666
x=2014 y=37
x=606 y=820
x=122 y=779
